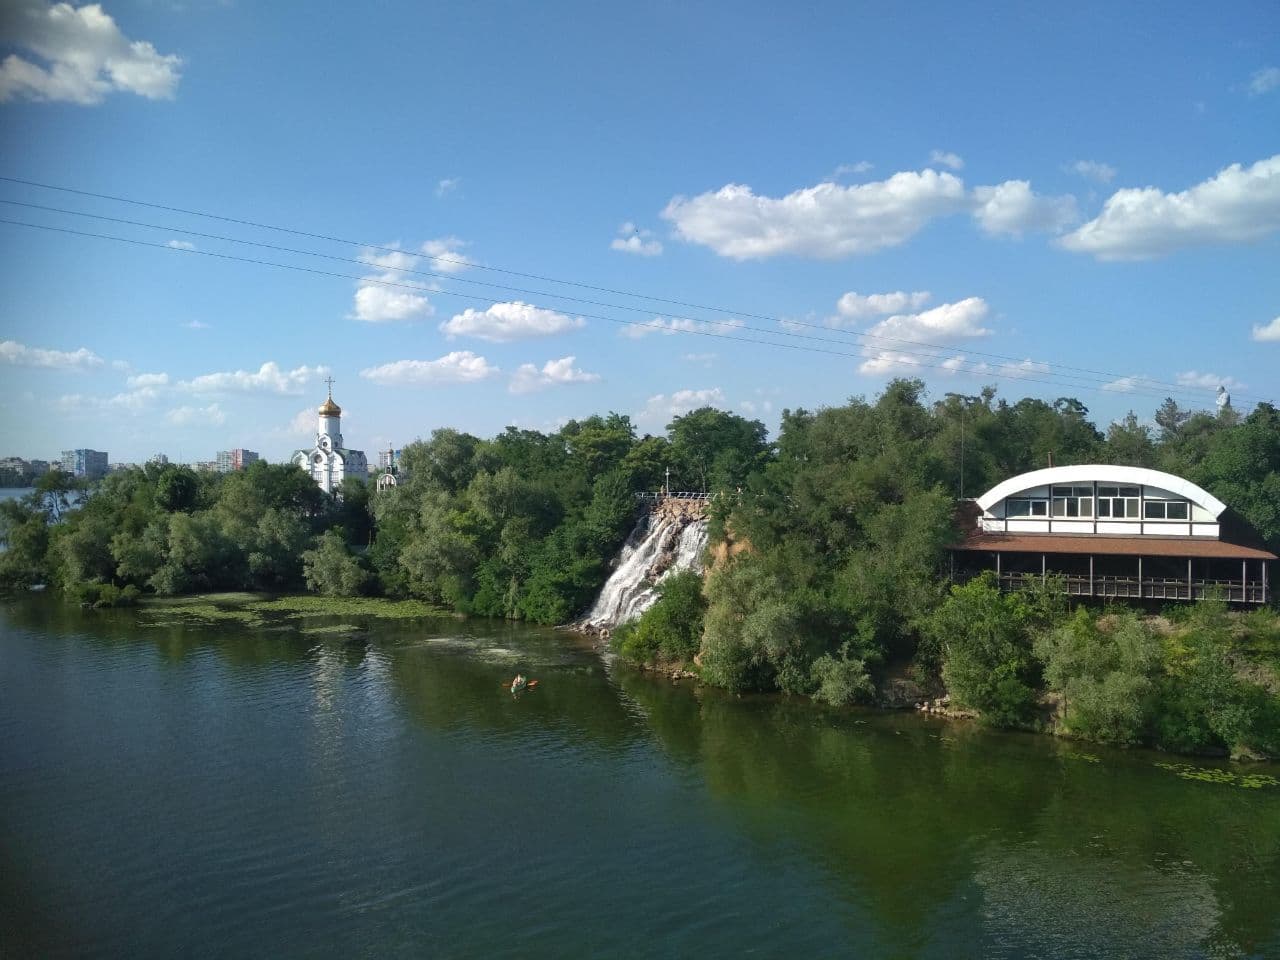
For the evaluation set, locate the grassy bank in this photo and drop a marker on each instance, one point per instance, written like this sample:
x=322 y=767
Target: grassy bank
x=260 y=610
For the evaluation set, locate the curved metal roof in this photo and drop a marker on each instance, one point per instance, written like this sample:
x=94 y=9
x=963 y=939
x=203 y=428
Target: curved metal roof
x=1103 y=473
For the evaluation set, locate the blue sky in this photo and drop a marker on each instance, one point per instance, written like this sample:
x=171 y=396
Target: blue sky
x=1072 y=202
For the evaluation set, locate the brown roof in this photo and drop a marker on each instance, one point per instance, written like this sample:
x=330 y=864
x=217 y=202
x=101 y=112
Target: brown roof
x=1109 y=546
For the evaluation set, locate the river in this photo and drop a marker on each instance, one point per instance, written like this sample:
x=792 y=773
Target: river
x=176 y=790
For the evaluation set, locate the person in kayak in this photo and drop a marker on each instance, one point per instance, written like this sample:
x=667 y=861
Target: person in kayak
x=519 y=682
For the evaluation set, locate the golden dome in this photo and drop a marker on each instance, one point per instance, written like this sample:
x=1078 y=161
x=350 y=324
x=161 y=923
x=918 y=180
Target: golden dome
x=330 y=409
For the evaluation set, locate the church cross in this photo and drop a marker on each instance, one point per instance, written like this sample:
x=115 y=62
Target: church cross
x=329 y=381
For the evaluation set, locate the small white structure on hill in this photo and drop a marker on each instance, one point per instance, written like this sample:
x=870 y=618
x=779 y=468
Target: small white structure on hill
x=329 y=462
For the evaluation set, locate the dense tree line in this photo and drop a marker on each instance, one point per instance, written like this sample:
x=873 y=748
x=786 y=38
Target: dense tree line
x=846 y=517
x=848 y=524
x=523 y=525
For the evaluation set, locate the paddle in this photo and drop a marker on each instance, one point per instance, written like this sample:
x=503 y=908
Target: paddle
x=529 y=684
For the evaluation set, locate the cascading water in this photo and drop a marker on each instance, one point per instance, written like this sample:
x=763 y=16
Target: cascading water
x=662 y=543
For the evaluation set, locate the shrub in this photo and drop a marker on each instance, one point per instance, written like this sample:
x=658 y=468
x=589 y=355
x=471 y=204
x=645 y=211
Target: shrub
x=330 y=569
x=842 y=679
x=752 y=638
x=670 y=630
x=1107 y=677
x=982 y=634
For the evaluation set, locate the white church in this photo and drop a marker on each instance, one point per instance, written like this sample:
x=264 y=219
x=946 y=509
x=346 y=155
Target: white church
x=329 y=462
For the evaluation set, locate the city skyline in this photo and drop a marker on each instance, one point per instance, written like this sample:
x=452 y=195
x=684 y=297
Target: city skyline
x=518 y=236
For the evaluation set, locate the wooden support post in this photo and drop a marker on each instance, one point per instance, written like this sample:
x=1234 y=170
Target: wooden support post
x=1191 y=590
x=1139 y=578
x=1244 y=581
x=1091 y=570
x=1265 y=598
x=1042 y=569
x=997 y=568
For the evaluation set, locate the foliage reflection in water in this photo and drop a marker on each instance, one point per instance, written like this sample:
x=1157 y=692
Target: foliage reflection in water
x=374 y=789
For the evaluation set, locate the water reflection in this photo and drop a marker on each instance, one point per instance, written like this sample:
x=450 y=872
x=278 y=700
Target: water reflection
x=909 y=836
x=1015 y=844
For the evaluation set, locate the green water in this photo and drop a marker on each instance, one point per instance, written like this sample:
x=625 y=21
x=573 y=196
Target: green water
x=170 y=790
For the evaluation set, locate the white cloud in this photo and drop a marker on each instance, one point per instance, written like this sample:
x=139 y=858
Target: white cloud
x=377 y=303
x=632 y=239
x=1264 y=81
x=706 y=359
x=148 y=380
x=945 y=159
x=945 y=323
x=669 y=326
x=827 y=221
x=752 y=407
x=181 y=416
x=196 y=325
x=1208 y=381
x=16 y=353
x=1235 y=206
x=1023 y=368
x=269 y=378
x=85 y=56
x=1092 y=170
x=661 y=408
x=392 y=294
x=132 y=401
x=180 y=245
x=1267 y=332
x=529 y=378
x=853 y=307
x=845 y=169
x=505 y=322
x=447 y=186
x=1012 y=208
x=446 y=255
x=1128 y=384
x=304 y=422
x=460 y=366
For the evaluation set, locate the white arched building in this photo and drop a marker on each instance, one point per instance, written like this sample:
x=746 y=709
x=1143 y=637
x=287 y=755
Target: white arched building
x=1114 y=531
x=329 y=462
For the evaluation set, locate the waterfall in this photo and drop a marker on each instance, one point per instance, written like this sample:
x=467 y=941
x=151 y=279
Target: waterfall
x=660 y=544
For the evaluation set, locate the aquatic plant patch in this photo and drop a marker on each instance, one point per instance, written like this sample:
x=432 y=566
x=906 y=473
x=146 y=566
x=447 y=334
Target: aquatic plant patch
x=1252 y=781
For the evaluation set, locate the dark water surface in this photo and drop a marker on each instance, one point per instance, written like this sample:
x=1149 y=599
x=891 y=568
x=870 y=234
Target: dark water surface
x=187 y=791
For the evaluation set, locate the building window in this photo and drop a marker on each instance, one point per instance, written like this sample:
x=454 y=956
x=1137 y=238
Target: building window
x=1026 y=507
x=1165 y=510
x=1072 y=501
x=1118 y=503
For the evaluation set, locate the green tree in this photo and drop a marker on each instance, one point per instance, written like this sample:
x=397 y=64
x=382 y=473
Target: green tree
x=753 y=637
x=714 y=450
x=1107 y=677
x=983 y=635
x=1129 y=443
x=330 y=568
x=671 y=629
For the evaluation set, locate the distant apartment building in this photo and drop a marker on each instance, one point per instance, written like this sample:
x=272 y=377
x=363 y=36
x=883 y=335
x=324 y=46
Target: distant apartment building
x=389 y=457
x=84 y=463
x=237 y=459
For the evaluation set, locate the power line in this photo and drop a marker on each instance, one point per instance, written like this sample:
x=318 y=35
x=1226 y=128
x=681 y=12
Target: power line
x=1107 y=377
x=1074 y=381
x=532 y=293
x=1004 y=374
